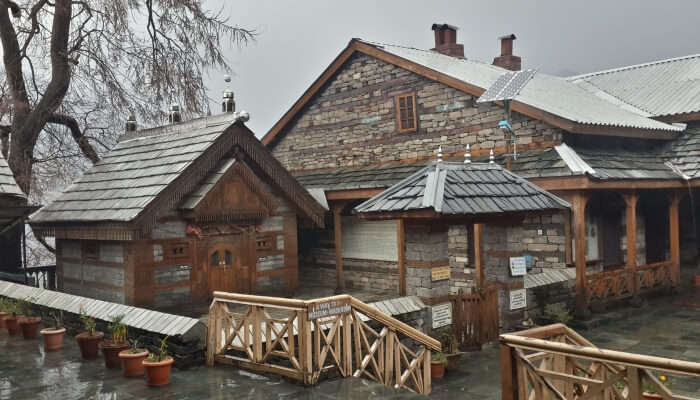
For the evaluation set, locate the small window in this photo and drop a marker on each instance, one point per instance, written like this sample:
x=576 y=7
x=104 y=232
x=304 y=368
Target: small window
x=406 y=113
x=215 y=259
x=178 y=250
x=92 y=251
x=228 y=258
x=263 y=243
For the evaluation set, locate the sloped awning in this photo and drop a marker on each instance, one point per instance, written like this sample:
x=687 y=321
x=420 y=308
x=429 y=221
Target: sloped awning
x=458 y=189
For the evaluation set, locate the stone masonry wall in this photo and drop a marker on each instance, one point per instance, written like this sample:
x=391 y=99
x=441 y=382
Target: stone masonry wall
x=463 y=274
x=351 y=121
x=425 y=246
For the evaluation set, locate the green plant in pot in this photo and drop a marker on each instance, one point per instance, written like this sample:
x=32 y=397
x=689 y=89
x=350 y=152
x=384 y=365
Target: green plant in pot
x=557 y=313
x=649 y=391
x=118 y=342
x=158 y=365
x=29 y=324
x=450 y=347
x=53 y=336
x=4 y=312
x=132 y=360
x=438 y=361
x=12 y=318
x=91 y=338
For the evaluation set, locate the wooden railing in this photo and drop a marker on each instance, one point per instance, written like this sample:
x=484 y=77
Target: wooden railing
x=305 y=340
x=555 y=362
x=476 y=317
x=622 y=283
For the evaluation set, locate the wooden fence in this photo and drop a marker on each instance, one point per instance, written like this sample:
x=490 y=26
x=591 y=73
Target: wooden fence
x=476 y=317
x=627 y=282
x=555 y=362
x=304 y=340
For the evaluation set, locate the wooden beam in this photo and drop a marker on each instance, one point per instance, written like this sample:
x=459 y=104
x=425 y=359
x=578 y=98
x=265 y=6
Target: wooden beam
x=584 y=182
x=673 y=236
x=509 y=375
x=631 y=200
x=401 y=244
x=579 y=212
x=568 y=253
x=478 y=266
x=353 y=194
x=338 y=239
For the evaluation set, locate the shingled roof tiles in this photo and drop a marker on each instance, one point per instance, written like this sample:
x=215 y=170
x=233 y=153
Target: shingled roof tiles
x=357 y=178
x=452 y=188
x=684 y=152
x=8 y=185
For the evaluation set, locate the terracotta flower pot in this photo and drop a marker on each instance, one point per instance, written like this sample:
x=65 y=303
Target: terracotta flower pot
x=651 y=396
x=110 y=351
x=133 y=362
x=158 y=373
x=12 y=324
x=89 y=344
x=53 y=338
x=3 y=315
x=437 y=369
x=697 y=281
x=30 y=327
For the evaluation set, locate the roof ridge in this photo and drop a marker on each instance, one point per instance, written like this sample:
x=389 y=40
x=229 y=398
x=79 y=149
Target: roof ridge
x=432 y=52
x=180 y=127
x=630 y=67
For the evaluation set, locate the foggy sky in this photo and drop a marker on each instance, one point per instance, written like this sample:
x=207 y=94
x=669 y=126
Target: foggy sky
x=297 y=40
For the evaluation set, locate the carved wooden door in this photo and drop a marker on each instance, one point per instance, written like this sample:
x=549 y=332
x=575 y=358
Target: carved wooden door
x=222 y=268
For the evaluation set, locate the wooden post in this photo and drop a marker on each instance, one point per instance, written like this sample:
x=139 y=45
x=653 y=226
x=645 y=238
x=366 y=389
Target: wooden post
x=634 y=383
x=347 y=345
x=426 y=371
x=305 y=358
x=673 y=237
x=401 y=244
x=631 y=200
x=257 y=334
x=567 y=237
x=478 y=266
x=212 y=334
x=509 y=374
x=579 y=211
x=389 y=357
x=338 y=238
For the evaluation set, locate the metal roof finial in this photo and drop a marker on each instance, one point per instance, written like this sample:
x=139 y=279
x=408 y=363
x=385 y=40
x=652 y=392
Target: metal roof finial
x=491 y=157
x=439 y=154
x=468 y=155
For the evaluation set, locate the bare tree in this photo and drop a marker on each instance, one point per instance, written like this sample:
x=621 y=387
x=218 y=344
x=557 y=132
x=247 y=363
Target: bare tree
x=73 y=68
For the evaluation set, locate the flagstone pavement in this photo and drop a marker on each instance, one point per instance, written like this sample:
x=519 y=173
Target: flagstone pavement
x=667 y=327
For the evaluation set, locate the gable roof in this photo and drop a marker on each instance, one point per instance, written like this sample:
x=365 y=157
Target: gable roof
x=660 y=88
x=8 y=185
x=450 y=188
x=153 y=170
x=548 y=98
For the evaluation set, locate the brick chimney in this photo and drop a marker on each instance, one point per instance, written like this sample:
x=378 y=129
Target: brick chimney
x=446 y=40
x=507 y=60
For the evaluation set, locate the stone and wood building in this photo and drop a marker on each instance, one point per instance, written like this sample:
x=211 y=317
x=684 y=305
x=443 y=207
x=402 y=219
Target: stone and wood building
x=173 y=213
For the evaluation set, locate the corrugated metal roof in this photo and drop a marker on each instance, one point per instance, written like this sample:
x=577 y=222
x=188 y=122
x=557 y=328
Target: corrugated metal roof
x=8 y=185
x=665 y=87
x=546 y=92
x=463 y=189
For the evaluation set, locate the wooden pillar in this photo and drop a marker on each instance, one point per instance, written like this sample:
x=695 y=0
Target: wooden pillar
x=478 y=262
x=401 y=244
x=673 y=236
x=509 y=375
x=631 y=200
x=338 y=239
x=568 y=257
x=579 y=214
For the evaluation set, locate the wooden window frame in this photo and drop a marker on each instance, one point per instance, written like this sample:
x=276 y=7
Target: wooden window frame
x=397 y=104
x=91 y=255
x=269 y=242
x=173 y=246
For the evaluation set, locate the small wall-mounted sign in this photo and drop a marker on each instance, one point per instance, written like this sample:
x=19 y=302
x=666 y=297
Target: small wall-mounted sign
x=518 y=299
x=518 y=266
x=440 y=273
x=442 y=315
x=329 y=309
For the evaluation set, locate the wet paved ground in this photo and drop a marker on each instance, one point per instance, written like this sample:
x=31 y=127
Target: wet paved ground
x=667 y=327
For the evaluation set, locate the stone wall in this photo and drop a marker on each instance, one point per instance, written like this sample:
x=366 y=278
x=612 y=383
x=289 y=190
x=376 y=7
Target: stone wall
x=352 y=121
x=463 y=274
x=426 y=249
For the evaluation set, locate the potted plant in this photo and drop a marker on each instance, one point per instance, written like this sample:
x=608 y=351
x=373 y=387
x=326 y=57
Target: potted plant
x=132 y=359
x=556 y=313
x=437 y=365
x=112 y=348
x=649 y=390
x=4 y=312
x=450 y=347
x=29 y=323
x=12 y=317
x=90 y=339
x=158 y=365
x=53 y=337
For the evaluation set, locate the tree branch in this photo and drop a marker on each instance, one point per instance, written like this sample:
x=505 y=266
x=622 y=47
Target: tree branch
x=82 y=141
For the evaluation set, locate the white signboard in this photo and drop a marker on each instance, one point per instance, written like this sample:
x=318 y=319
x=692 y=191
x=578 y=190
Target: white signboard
x=442 y=315
x=517 y=266
x=518 y=299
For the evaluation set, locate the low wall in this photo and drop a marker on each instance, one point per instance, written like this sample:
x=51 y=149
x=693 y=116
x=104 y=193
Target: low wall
x=186 y=336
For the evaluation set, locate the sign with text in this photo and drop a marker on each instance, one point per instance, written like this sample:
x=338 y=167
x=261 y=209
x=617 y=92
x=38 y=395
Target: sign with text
x=440 y=273
x=329 y=308
x=518 y=266
x=442 y=315
x=518 y=299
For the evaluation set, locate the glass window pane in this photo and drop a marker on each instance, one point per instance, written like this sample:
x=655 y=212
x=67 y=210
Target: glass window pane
x=228 y=258
x=215 y=258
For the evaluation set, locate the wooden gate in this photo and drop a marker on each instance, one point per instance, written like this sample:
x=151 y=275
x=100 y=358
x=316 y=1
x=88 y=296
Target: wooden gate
x=475 y=317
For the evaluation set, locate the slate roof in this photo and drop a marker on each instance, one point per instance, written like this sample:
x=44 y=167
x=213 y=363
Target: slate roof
x=684 y=152
x=8 y=185
x=451 y=188
x=370 y=177
x=546 y=92
x=660 y=88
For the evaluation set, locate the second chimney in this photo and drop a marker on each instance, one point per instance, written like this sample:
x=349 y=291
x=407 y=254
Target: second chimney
x=174 y=115
x=446 y=40
x=507 y=60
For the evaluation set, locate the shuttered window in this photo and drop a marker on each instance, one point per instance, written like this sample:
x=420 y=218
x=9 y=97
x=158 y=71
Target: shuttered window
x=406 y=113
x=369 y=240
